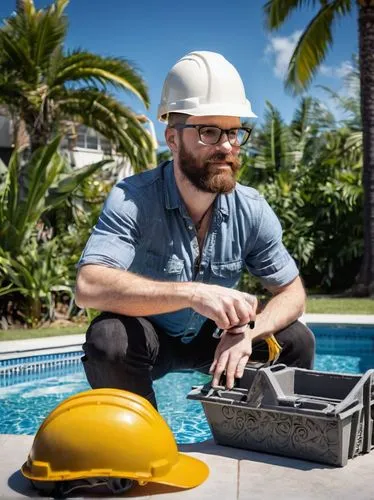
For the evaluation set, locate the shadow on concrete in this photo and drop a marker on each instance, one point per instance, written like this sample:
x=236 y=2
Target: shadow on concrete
x=152 y=489
x=209 y=447
x=18 y=483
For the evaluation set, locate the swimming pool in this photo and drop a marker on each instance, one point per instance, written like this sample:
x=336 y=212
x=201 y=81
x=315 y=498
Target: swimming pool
x=31 y=389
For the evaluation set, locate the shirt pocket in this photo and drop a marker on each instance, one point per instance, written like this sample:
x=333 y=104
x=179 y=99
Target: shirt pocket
x=226 y=273
x=164 y=268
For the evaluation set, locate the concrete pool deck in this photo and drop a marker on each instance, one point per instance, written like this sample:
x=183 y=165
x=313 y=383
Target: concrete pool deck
x=234 y=473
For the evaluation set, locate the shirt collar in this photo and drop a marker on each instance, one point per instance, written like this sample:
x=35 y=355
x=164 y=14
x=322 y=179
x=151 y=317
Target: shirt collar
x=172 y=198
x=222 y=204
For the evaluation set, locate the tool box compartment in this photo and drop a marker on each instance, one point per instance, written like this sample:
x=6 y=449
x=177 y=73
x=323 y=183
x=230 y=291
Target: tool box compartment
x=319 y=416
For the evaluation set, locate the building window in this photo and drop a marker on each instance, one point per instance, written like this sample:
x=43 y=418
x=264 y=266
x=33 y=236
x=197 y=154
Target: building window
x=88 y=138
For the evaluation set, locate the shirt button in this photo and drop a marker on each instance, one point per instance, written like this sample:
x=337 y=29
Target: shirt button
x=190 y=227
x=201 y=272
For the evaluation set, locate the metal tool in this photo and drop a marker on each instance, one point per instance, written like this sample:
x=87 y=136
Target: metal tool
x=217 y=334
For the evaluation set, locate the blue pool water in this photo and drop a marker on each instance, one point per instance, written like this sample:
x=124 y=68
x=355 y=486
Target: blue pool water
x=26 y=397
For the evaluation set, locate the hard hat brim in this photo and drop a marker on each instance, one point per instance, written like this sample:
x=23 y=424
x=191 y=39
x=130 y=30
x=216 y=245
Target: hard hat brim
x=188 y=472
x=223 y=109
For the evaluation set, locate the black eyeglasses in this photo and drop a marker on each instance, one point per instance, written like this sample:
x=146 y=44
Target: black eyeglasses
x=210 y=135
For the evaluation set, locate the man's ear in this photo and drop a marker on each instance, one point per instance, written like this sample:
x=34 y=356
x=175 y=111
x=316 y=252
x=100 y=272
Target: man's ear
x=171 y=139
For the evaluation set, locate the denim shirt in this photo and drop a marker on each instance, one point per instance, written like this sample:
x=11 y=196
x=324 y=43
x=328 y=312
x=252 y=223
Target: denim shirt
x=145 y=228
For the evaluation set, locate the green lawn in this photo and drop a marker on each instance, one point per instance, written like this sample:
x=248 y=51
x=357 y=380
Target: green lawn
x=321 y=305
x=325 y=305
x=17 y=334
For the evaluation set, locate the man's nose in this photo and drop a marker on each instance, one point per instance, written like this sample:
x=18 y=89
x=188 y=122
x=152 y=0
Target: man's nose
x=224 y=144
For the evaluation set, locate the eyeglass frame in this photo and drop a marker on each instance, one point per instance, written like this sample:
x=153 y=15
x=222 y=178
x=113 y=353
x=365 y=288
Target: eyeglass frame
x=181 y=126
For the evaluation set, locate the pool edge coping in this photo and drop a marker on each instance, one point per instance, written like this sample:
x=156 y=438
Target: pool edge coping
x=50 y=345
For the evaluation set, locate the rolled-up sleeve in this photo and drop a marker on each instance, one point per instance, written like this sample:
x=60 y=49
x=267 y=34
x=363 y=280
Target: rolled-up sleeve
x=268 y=259
x=116 y=235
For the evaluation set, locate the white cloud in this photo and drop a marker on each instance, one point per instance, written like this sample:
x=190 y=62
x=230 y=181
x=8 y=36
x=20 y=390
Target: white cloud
x=281 y=49
x=326 y=70
x=344 y=69
x=349 y=88
x=340 y=71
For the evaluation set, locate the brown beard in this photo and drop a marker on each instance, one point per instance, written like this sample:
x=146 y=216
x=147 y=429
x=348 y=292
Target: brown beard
x=204 y=176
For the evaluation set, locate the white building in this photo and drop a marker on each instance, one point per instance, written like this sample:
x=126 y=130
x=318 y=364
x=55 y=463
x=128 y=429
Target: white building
x=88 y=147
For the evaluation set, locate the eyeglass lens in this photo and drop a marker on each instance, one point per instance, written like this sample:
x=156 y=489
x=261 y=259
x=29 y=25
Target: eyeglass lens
x=212 y=135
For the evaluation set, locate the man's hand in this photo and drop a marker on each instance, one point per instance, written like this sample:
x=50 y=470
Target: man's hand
x=232 y=354
x=228 y=308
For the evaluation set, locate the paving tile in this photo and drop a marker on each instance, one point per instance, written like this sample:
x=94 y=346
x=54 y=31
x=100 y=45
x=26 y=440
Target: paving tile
x=13 y=453
x=3 y=439
x=268 y=476
x=17 y=347
x=234 y=474
x=353 y=319
x=221 y=483
x=209 y=447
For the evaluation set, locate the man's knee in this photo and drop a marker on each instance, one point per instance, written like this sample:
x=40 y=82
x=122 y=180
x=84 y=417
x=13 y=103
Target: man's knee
x=298 y=345
x=120 y=352
x=113 y=337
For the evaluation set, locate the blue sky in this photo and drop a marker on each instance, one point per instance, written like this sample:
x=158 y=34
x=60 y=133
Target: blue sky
x=154 y=35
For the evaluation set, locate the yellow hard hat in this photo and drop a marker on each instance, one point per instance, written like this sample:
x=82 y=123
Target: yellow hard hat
x=113 y=434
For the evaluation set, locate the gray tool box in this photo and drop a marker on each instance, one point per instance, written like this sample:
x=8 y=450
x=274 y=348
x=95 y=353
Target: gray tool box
x=320 y=416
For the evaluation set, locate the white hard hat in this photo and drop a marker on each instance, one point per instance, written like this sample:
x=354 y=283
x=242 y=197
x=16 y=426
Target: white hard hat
x=204 y=83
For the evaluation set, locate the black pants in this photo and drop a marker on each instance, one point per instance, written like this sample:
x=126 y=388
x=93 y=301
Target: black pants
x=128 y=353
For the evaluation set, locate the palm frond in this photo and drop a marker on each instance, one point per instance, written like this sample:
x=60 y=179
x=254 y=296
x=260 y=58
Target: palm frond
x=347 y=104
x=275 y=134
x=117 y=72
x=301 y=118
x=313 y=44
x=277 y=11
x=59 y=6
x=310 y=50
x=16 y=57
x=111 y=119
x=50 y=34
x=26 y=7
x=35 y=72
x=38 y=32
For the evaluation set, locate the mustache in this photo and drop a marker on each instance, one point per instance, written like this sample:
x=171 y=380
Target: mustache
x=231 y=160
x=221 y=157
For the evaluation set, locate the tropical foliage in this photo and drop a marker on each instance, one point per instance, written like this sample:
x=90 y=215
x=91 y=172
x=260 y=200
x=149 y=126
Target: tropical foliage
x=50 y=90
x=309 y=53
x=34 y=281
x=310 y=173
x=33 y=266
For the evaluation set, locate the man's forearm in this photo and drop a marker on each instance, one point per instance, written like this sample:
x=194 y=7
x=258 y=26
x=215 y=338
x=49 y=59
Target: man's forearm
x=281 y=310
x=118 y=291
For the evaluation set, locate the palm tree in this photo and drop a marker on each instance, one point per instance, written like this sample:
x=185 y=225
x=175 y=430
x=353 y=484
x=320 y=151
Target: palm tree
x=349 y=102
x=48 y=88
x=309 y=53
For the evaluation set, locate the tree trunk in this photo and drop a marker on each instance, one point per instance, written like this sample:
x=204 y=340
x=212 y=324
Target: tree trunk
x=38 y=138
x=38 y=128
x=365 y=280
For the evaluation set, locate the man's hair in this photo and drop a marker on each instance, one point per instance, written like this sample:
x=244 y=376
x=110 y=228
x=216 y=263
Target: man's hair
x=174 y=118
